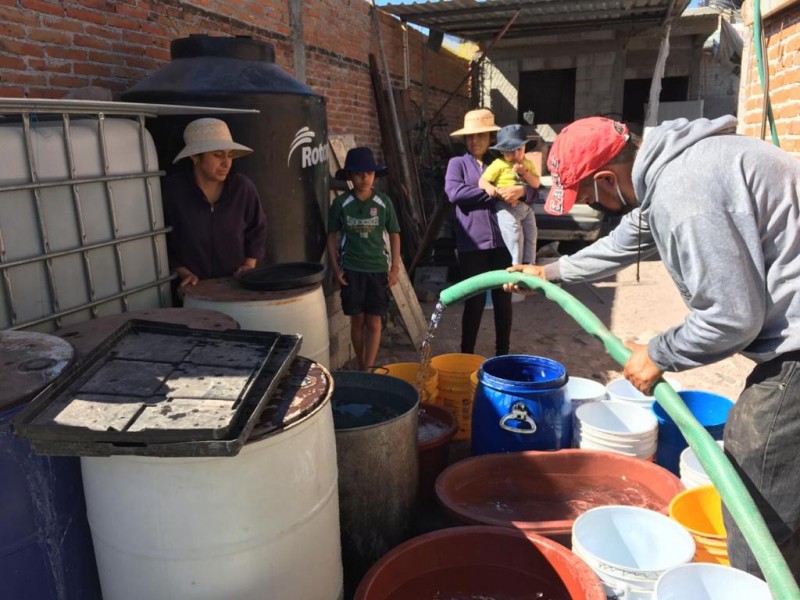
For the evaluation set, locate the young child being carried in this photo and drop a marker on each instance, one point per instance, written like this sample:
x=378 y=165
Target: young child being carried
x=358 y=224
x=516 y=220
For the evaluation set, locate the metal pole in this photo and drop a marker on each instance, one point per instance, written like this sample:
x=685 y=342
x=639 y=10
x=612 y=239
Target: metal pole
x=404 y=166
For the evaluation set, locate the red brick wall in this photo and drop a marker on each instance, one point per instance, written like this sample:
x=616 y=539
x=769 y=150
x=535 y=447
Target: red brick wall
x=49 y=47
x=782 y=32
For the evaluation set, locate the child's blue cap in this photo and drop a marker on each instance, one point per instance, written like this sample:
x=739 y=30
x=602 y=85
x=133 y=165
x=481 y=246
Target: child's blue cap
x=510 y=137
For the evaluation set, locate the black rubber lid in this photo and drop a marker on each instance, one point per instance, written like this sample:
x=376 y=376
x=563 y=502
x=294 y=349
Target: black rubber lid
x=282 y=276
x=201 y=45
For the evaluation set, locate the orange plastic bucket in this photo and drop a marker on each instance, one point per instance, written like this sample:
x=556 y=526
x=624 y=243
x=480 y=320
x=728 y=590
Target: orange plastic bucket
x=409 y=371
x=699 y=510
x=454 y=390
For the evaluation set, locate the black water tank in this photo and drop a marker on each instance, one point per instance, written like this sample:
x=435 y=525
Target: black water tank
x=289 y=136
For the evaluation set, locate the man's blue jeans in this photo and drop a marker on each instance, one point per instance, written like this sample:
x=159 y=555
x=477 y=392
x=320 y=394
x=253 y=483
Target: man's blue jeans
x=762 y=439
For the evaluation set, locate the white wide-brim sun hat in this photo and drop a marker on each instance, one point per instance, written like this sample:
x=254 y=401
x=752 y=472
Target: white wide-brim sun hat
x=209 y=135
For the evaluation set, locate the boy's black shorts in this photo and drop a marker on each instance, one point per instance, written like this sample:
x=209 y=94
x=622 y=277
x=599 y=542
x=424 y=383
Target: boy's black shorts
x=365 y=293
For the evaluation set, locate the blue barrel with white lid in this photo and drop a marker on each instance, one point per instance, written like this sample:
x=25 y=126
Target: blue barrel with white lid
x=521 y=404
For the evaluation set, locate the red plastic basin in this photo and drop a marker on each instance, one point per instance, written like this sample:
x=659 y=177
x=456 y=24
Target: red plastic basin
x=544 y=492
x=480 y=562
x=437 y=426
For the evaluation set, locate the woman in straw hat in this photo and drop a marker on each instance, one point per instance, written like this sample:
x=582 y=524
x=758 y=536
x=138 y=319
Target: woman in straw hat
x=479 y=242
x=218 y=224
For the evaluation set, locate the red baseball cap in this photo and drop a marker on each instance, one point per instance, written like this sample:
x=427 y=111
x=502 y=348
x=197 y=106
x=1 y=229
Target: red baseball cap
x=581 y=149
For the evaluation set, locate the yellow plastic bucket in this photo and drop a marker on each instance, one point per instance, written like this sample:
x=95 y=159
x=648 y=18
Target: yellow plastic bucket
x=409 y=371
x=454 y=389
x=699 y=510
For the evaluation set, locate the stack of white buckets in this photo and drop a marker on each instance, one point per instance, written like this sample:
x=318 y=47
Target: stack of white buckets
x=641 y=554
x=615 y=418
x=692 y=472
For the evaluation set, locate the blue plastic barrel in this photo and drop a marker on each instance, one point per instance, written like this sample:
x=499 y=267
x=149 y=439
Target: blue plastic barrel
x=711 y=410
x=45 y=544
x=521 y=404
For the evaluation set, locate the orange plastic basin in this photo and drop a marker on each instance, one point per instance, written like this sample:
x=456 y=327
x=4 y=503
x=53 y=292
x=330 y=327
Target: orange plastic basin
x=480 y=562
x=544 y=492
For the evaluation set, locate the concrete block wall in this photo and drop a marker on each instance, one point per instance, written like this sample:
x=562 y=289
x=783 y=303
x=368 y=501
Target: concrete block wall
x=782 y=31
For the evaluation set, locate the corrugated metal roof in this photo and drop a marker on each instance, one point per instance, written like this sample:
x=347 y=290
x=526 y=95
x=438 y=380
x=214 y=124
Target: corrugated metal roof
x=481 y=20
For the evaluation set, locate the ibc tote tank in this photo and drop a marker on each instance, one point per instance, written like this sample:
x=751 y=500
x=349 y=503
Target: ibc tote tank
x=289 y=135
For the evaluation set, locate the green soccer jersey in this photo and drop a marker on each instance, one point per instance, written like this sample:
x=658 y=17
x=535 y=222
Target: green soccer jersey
x=364 y=226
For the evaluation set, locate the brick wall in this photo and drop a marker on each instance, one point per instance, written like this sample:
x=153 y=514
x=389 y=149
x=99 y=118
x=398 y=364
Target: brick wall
x=782 y=32
x=50 y=47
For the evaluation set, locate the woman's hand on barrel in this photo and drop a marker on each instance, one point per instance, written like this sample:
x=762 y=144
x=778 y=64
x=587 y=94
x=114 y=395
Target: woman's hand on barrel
x=640 y=369
x=186 y=277
x=521 y=288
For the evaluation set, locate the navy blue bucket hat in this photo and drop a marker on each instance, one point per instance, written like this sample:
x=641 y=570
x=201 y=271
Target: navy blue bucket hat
x=360 y=160
x=510 y=137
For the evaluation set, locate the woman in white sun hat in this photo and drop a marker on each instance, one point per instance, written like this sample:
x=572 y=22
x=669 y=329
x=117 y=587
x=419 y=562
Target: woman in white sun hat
x=218 y=224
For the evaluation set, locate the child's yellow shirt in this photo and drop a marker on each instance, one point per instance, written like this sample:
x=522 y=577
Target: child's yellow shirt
x=501 y=173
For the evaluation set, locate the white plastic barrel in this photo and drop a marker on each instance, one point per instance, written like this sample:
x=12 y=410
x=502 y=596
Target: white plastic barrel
x=300 y=310
x=704 y=581
x=629 y=548
x=616 y=427
x=99 y=242
x=261 y=524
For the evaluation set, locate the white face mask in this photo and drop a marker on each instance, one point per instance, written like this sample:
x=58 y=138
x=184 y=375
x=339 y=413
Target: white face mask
x=626 y=208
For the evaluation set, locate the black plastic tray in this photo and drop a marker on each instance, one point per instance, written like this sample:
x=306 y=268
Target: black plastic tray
x=282 y=276
x=154 y=382
x=280 y=361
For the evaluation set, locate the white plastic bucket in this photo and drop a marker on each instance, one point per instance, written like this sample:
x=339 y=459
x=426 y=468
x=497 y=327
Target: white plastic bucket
x=261 y=524
x=616 y=427
x=703 y=581
x=581 y=390
x=629 y=548
x=691 y=471
x=622 y=390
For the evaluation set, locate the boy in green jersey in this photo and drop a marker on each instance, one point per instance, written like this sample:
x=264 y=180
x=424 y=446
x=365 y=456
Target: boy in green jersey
x=359 y=224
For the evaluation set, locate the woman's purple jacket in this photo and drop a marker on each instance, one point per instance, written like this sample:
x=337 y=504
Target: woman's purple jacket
x=476 y=225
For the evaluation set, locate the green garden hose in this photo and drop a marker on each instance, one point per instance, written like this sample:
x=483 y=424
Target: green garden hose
x=731 y=488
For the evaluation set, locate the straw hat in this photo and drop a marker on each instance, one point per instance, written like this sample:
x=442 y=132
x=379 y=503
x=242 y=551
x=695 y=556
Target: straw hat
x=209 y=135
x=480 y=120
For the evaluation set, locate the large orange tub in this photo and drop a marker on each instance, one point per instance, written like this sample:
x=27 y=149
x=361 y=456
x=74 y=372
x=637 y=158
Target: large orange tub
x=480 y=562
x=544 y=492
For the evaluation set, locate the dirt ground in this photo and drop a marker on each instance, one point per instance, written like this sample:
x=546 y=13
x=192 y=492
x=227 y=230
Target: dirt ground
x=631 y=310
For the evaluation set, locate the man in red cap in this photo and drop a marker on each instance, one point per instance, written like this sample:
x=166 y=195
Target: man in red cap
x=722 y=211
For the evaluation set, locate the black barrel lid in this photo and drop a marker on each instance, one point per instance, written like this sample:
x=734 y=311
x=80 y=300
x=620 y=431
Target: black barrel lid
x=282 y=276
x=29 y=362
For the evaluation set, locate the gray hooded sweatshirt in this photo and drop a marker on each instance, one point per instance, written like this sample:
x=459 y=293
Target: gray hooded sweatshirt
x=722 y=211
